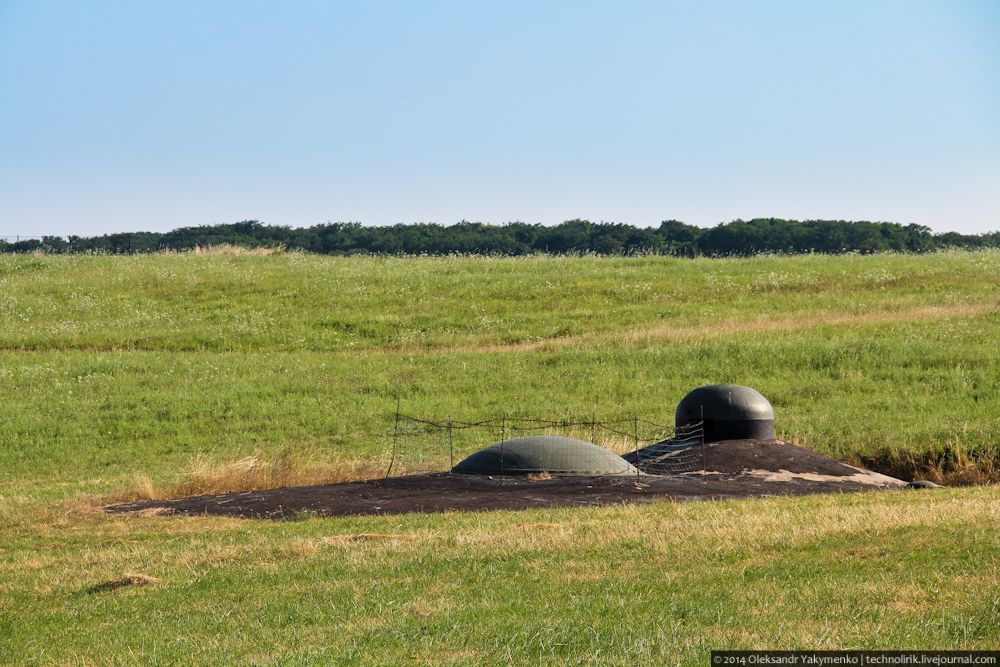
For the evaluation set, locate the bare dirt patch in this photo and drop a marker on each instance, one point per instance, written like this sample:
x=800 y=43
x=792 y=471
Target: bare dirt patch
x=123 y=582
x=731 y=469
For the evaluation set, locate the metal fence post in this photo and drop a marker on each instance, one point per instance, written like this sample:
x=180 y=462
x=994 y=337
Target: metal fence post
x=638 y=456
x=395 y=439
x=704 y=448
x=503 y=439
x=451 y=446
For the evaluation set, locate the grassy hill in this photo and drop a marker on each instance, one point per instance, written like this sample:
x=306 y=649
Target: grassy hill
x=118 y=368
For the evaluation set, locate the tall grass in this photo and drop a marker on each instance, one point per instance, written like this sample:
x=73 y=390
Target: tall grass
x=112 y=367
x=295 y=302
x=229 y=250
x=209 y=475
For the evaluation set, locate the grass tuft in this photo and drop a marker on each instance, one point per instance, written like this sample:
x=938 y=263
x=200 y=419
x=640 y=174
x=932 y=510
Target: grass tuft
x=363 y=537
x=952 y=465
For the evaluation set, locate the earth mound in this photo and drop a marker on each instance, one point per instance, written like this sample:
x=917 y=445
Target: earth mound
x=729 y=469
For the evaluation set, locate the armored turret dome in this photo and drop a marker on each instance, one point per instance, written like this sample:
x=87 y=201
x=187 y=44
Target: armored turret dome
x=729 y=412
x=551 y=454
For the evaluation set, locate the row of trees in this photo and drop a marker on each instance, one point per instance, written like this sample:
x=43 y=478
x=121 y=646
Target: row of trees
x=736 y=238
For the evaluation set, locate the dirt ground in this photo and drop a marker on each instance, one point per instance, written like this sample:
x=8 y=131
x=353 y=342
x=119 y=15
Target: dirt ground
x=731 y=469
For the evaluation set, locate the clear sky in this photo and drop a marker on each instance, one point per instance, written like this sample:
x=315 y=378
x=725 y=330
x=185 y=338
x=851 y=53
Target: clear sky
x=121 y=116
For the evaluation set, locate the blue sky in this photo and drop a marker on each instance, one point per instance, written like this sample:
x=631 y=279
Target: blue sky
x=120 y=116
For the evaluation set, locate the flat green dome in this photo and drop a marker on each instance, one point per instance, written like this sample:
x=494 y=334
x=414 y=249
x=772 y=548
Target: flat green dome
x=551 y=454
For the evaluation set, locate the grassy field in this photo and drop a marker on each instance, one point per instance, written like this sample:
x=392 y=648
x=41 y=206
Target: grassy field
x=114 y=369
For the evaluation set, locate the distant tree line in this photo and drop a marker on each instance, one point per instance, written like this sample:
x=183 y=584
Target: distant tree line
x=736 y=238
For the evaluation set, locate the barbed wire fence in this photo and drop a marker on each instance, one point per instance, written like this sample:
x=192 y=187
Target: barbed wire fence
x=682 y=453
x=420 y=445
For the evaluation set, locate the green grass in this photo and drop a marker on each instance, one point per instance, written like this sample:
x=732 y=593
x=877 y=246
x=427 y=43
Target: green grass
x=113 y=367
x=301 y=302
x=622 y=585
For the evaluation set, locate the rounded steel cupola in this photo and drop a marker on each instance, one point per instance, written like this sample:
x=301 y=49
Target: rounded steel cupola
x=729 y=412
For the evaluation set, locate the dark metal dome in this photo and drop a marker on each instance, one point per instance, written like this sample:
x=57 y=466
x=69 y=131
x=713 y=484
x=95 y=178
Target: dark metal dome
x=551 y=454
x=729 y=412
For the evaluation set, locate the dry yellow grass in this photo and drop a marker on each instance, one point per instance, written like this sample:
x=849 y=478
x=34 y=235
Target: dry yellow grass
x=362 y=537
x=718 y=527
x=953 y=466
x=228 y=250
x=680 y=334
x=206 y=475
x=616 y=442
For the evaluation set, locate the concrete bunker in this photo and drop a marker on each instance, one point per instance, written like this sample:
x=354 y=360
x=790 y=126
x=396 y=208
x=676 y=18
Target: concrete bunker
x=728 y=412
x=556 y=455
